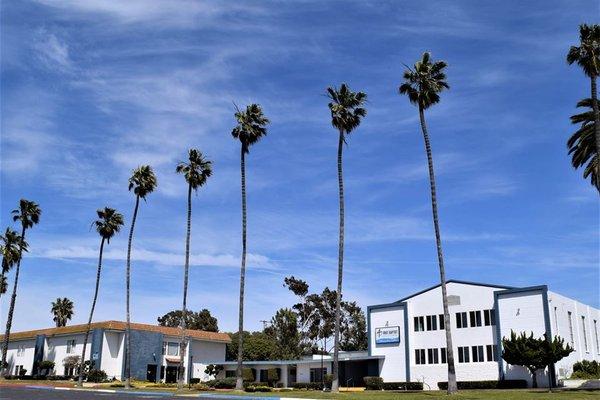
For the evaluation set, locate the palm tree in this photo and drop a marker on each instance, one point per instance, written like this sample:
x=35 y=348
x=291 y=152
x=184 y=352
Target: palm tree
x=423 y=84
x=107 y=225
x=62 y=309
x=582 y=144
x=28 y=214
x=250 y=128
x=346 y=113
x=196 y=172
x=11 y=243
x=143 y=182
x=587 y=56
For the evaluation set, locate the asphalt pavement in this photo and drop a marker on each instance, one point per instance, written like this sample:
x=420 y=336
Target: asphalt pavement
x=22 y=393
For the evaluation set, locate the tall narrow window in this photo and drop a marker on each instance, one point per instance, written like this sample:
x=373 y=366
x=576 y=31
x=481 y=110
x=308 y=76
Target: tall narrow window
x=461 y=320
x=420 y=356
x=432 y=356
x=443 y=355
x=475 y=317
x=477 y=353
x=489 y=317
x=571 y=337
x=585 y=345
x=463 y=354
x=596 y=336
x=70 y=346
x=492 y=354
x=419 y=324
x=441 y=318
x=431 y=323
x=556 y=320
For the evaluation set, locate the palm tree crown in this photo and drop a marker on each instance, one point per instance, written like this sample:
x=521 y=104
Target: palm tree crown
x=109 y=222
x=143 y=181
x=11 y=243
x=28 y=213
x=251 y=126
x=587 y=54
x=197 y=170
x=62 y=310
x=346 y=107
x=424 y=82
x=581 y=144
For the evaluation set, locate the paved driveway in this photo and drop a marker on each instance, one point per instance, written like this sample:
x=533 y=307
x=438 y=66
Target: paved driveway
x=21 y=393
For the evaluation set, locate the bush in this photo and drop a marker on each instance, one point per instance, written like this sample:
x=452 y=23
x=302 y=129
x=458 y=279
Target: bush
x=252 y=388
x=404 y=386
x=96 y=375
x=586 y=370
x=248 y=375
x=373 y=382
x=279 y=385
x=194 y=381
x=46 y=364
x=503 y=384
x=272 y=375
x=202 y=387
x=225 y=383
x=57 y=377
x=307 y=385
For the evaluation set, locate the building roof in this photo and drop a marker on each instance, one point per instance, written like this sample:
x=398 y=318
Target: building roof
x=343 y=356
x=121 y=326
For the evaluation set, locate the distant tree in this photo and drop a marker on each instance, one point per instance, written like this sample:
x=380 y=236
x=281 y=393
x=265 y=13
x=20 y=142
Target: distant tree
x=107 y=225
x=142 y=182
x=10 y=249
x=533 y=353
x=202 y=320
x=582 y=144
x=354 y=329
x=347 y=111
x=258 y=346
x=587 y=56
x=196 y=172
x=28 y=214
x=251 y=127
x=62 y=309
x=284 y=329
x=423 y=84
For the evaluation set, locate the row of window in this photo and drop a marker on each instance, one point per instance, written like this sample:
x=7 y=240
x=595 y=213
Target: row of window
x=583 y=331
x=434 y=356
x=430 y=322
x=477 y=353
x=489 y=318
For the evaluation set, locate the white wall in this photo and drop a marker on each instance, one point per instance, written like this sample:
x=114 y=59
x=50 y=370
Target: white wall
x=25 y=359
x=392 y=368
x=112 y=354
x=303 y=370
x=205 y=353
x=55 y=349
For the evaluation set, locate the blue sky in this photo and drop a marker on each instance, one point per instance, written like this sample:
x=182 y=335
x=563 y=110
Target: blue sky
x=92 y=89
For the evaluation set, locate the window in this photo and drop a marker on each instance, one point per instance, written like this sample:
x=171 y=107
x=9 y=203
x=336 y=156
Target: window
x=463 y=354
x=431 y=323
x=489 y=317
x=70 y=346
x=18 y=369
x=477 y=353
x=475 y=317
x=441 y=318
x=492 y=354
x=461 y=320
x=443 y=355
x=20 y=350
x=419 y=356
x=419 y=324
x=317 y=374
x=264 y=375
x=596 y=336
x=432 y=356
x=230 y=373
x=585 y=344
x=571 y=338
x=172 y=349
x=556 y=320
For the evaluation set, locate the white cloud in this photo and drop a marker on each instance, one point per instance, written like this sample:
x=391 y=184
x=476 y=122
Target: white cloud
x=52 y=51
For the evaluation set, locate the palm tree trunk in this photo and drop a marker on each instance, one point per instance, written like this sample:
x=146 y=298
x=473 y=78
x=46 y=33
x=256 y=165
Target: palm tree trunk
x=128 y=285
x=11 y=308
x=452 y=387
x=239 y=384
x=596 y=127
x=87 y=331
x=185 y=287
x=335 y=384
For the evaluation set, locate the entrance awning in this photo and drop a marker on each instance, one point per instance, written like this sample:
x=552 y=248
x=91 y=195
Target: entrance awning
x=172 y=359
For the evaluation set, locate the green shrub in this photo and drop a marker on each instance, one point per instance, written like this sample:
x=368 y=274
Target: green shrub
x=46 y=364
x=307 y=385
x=202 y=387
x=194 y=381
x=272 y=375
x=252 y=388
x=586 y=370
x=373 y=382
x=502 y=384
x=96 y=375
x=225 y=383
x=404 y=386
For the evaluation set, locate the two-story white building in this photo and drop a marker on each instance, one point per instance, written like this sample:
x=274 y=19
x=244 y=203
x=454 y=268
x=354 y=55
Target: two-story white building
x=409 y=333
x=154 y=350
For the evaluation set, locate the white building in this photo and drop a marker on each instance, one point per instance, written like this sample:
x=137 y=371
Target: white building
x=155 y=350
x=409 y=333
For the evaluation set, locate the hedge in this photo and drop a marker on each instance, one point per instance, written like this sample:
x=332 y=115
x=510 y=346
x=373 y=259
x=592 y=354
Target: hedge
x=503 y=384
x=194 y=381
x=225 y=383
x=252 y=388
x=373 y=382
x=403 y=386
x=96 y=375
x=307 y=385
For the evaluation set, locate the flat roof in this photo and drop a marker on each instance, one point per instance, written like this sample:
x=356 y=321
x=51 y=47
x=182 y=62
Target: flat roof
x=120 y=326
x=303 y=361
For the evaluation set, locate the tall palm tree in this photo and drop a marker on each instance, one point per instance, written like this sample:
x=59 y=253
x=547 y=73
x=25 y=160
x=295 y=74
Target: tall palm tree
x=196 y=172
x=423 y=84
x=107 y=225
x=143 y=182
x=346 y=113
x=11 y=253
x=587 y=56
x=582 y=144
x=250 y=128
x=28 y=214
x=62 y=309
